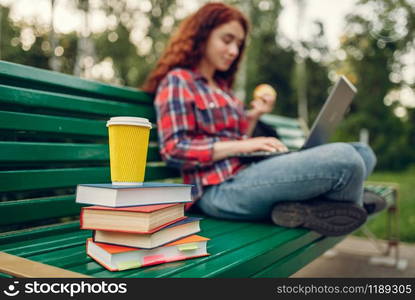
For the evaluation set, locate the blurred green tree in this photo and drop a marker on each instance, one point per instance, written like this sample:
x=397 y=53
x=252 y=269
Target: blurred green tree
x=374 y=48
x=139 y=37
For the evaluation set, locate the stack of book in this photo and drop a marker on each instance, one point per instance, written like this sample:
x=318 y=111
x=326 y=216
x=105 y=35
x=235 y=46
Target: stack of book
x=136 y=226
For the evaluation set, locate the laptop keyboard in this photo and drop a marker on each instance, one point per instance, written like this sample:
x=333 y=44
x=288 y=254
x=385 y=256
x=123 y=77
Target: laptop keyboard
x=261 y=154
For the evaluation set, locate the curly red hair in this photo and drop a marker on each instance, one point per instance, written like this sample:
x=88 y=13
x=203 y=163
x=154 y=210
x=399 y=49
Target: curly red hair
x=186 y=47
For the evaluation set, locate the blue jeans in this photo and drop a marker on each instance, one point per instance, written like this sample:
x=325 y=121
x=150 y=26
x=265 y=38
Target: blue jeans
x=334 y=171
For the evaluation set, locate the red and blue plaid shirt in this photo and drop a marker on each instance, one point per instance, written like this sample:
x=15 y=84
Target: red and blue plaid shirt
x=191 y=117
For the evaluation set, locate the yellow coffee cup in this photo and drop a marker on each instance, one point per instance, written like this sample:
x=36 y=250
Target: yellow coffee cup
x=128 y=143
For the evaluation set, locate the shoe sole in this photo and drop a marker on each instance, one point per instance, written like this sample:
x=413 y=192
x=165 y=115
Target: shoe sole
x=326 y=217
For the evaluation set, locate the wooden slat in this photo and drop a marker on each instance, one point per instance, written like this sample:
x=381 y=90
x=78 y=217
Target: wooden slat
x=280 y=121
x=68 y=249
x=50 y=244
x=35 y=246
x=227 y=228
x=298 y=258
x=52 y=124
x=64 y=250
x=31 y=99
x=227 y=251
x=22 y=180
x=387 y=190
x=21 y=267
x=60 y=127
x=23 y=211
x=293 y=144
x=290 y=132
x=52 y=152
x=21 y=152
x=27 y=235
x=35 y=78
x=212 y=228
x=252 y=256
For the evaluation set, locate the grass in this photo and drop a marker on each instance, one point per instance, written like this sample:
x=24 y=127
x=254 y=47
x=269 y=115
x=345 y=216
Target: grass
x=406 y=181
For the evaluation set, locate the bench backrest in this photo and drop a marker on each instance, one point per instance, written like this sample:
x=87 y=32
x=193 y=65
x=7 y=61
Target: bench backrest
x=292 y=132
x=53 y=137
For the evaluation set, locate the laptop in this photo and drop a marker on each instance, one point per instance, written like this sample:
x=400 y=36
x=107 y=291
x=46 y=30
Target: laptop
x=329 y=117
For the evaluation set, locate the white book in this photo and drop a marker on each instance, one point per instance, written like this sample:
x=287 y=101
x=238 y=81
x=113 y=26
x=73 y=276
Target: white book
x=123 y=196
x=165 y=235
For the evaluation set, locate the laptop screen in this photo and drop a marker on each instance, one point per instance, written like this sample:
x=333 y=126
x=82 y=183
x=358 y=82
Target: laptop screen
x=332 y=113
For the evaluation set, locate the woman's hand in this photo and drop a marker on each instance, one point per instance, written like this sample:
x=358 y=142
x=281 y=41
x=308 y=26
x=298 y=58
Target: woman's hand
x=261 y=105
x=261 y=144
x=264 y=104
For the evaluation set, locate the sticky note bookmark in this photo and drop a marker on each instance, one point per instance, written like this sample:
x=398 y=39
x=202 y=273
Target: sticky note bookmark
x=188 y=247
x=152 y=259
x=125 y=265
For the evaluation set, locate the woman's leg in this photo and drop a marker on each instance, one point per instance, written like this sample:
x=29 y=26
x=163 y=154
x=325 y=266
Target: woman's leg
x=334 y=170
x=368 y=156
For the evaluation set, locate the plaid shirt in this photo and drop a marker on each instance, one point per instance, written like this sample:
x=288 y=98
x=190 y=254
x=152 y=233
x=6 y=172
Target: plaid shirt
x=191 y=117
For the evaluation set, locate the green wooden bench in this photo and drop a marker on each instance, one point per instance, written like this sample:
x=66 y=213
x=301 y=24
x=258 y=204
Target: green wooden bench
x=53 y=137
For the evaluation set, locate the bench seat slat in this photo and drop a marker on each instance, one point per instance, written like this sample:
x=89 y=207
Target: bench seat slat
x=387 y=191
x=298 y=259
x=220 y=248
x=69 y=177
x=290 y=132
x=227 y=252
x=21 y=211
x=22 y=247
x=30 y=77
x=246 y=232
x=225 y=230
x=75 y=254
x=50 y=244
x=31 y=99
x=250 y=258
x=9 y=238
x=61 y=152
x=68 y=249
x=293 y=144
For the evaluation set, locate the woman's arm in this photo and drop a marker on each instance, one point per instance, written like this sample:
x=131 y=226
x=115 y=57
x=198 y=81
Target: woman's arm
x=176 y=124
x=253 y=117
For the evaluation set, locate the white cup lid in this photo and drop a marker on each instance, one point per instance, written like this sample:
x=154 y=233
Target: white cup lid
x=129 y=121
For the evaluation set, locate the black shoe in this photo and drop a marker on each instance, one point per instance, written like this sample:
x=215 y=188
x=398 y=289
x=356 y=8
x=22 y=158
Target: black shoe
x=372 y=202
x=329 y=218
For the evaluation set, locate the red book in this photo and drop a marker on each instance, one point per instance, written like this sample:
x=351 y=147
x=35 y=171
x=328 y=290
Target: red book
x=135 y=219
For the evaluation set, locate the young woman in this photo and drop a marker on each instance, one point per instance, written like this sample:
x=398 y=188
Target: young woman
x=202 y=125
